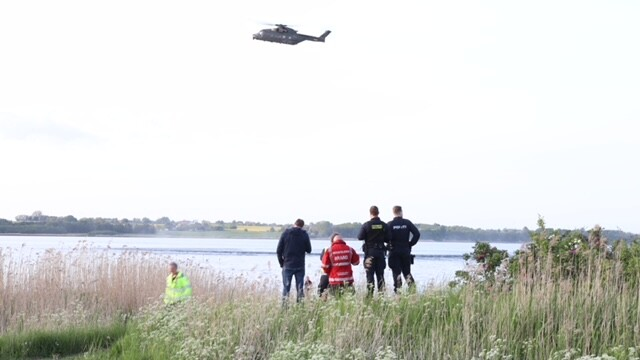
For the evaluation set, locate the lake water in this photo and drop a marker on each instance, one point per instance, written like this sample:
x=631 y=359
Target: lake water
x=436 y=262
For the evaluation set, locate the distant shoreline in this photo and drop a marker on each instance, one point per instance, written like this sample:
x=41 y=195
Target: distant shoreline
x=176 y=235
x=39 y=224
x=207 y=236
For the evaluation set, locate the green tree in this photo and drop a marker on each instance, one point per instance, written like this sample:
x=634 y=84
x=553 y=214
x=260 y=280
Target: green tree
x=321 y=229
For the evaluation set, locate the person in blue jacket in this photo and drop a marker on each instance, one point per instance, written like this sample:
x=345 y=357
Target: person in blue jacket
x=294 y=244
x=404 y=236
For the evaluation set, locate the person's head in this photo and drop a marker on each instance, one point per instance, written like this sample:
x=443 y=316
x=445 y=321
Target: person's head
x=334 y=236
x=173 y=268
x=299 y=223
x=373 y=211
x=397 y=210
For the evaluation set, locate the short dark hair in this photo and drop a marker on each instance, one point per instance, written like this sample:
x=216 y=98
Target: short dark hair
x=173 y=264
x=397 y=210
x=374 y=211
x=299 y=223
x=333 y=236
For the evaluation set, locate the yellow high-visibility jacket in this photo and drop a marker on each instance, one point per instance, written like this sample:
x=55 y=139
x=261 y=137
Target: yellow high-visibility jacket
x=178 y=289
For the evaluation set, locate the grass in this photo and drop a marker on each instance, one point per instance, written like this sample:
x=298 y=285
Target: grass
x=533 y=321
x=55 y=343
x=529 y=319
x=533 y=316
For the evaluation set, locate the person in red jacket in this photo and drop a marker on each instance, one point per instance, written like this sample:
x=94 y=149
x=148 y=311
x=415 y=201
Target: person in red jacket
x=337 y=262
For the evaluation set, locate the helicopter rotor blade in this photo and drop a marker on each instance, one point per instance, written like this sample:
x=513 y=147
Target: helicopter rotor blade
x=273 y=24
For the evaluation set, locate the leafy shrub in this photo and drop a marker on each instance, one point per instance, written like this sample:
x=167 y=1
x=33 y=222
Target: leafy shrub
x=555 y=254
x=488 y=261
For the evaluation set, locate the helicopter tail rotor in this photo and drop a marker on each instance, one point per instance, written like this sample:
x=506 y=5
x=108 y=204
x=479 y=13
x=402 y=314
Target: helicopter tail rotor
x=324 y=35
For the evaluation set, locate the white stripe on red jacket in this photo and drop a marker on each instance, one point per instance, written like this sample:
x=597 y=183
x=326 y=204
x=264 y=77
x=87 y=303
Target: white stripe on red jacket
x=337 y=263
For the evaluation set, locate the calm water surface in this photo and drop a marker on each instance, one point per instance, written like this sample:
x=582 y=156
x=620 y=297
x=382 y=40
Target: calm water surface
x=435 y=262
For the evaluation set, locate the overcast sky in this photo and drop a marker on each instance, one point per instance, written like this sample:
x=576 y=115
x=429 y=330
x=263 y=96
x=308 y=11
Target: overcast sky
x=477 y=113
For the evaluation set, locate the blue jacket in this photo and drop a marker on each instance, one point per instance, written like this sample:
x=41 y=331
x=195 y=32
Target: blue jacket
x=293 y=245
x=404 y=235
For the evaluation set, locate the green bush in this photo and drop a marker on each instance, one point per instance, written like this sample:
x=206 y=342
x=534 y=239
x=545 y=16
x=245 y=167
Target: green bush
x=488 y=259
x=554 y=255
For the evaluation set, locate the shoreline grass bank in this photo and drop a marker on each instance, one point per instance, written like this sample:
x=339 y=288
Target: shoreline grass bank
x=537 y=314
x=59 y=343
x=537 y=321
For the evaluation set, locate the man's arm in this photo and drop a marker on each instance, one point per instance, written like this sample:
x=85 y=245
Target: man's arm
x=308 y=243
x=414 y=232
x=387 y=233
x=186 y=290
x=355 y=258
x=280 y=250
x=326 y=263
x=363 y=232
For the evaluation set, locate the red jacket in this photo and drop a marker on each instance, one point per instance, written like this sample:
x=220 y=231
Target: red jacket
x=337 y=263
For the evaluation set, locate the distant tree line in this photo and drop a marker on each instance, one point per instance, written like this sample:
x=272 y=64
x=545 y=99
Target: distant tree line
x=38 y=223
x=439 y=232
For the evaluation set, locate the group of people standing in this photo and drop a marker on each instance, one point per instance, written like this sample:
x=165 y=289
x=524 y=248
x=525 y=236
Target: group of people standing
x=395 y=238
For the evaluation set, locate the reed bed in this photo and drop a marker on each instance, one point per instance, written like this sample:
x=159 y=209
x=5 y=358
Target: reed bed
x=53 y=289
x=535 y=315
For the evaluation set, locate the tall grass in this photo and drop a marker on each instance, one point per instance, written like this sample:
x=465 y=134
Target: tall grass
x=40 y=343
x=53 y=289
x=537 y=315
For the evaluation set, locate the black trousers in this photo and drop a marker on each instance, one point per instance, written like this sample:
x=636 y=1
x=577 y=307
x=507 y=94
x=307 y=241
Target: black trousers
x=324 y=284
x=374 y=264
x=400 y=264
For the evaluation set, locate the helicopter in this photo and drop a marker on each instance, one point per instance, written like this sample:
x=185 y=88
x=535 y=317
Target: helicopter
x=283 y=34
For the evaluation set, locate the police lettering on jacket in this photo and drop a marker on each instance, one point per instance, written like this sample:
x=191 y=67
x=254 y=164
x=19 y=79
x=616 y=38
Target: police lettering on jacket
x=404 y=234
x=375 y=234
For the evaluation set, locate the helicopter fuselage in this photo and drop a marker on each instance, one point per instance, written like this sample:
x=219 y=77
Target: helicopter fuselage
x=285 y=35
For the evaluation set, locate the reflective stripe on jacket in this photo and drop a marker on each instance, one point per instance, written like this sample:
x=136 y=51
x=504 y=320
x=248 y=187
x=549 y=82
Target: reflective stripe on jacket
x=178 y=289
x=337 y=263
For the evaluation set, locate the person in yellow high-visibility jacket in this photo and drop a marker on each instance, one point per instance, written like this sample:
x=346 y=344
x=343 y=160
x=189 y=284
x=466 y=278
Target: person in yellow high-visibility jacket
x=178 y=286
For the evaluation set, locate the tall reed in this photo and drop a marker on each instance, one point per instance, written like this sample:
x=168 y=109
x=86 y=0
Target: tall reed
x=539 y=314
x=52 y=288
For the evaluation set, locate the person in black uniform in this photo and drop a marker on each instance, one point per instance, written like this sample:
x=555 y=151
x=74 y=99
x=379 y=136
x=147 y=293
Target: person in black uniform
x=375 y=234
x=404 y=235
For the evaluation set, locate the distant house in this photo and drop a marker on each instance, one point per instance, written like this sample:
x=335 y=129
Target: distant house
x=188 y=226
x=36 y=217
